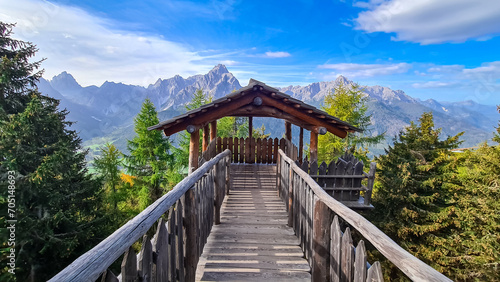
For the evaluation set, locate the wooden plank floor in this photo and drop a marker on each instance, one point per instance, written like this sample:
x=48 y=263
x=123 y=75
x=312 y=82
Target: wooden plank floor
x=253 y=241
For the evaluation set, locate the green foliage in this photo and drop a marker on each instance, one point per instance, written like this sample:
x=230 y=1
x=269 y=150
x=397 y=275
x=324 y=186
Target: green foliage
x=108 y=167
x=232 y=127
x=150 y=158
x=260 y=133
x=348 y=103
x=441 y=206
x=182 y=153
x=17 y=73
x=56 y=201
x=496 y=137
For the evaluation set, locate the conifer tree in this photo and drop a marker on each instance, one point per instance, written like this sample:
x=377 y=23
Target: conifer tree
x=412 y=205
x=348 y=103
x=150 y=158
x=108 y=167
x=56 y=201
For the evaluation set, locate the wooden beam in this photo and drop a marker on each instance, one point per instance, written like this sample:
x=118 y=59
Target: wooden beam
x=288 y=130
x=206 y=136
x=213 y=130
x=314 y=147
x=212 y=114
x=301 y=144
x=194 y=147
x=303 y=116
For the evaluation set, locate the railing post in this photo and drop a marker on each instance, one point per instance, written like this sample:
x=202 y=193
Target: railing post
x=227 y=175
x=321 y=241
x=290 y=196
x=191 y=234
x=371 y=180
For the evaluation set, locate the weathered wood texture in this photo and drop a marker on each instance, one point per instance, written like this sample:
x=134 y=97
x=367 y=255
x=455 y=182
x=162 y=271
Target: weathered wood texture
x=343 y=180
x=253 y=242
x=252 y=150
x=334 y=257
x=169 y=255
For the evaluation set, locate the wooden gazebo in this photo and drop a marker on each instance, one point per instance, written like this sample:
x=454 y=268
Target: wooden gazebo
x=255 y=100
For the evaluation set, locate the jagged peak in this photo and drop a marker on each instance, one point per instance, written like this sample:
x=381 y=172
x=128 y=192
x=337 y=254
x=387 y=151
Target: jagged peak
x=219 y=69
x=64 y=81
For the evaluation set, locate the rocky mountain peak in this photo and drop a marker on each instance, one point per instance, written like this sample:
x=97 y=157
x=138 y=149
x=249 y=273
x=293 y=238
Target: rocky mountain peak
x=64 y=82
x=342 y=79
x=219 y=69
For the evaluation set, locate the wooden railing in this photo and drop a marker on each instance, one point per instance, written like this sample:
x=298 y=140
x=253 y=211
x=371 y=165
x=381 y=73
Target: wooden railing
x=315 y=216
x=193 y=207
x=343 y=180
x=252 y=150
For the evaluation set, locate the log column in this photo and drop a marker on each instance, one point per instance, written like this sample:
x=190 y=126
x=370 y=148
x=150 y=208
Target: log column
x=288 y=131
x=206 y=136
x=301 y=144
x=314 y=146
x=250 y=126
x=213 y=130
x=194 y=147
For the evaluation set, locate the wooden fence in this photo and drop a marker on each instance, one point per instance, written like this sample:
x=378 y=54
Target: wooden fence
x=315 y=216
x=343 y=180
x=252 y=150
x=172 y=254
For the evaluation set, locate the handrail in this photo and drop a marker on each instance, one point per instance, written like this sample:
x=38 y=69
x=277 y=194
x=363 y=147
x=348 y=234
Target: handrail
x=89 y=266
x=414 y=268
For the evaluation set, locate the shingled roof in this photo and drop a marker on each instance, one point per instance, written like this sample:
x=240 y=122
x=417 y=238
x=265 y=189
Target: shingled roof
x=258 y=100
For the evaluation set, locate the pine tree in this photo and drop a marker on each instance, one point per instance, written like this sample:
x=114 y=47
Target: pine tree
x=412 y=205
x=56 y=201
x=348 y=103
x=150 y=158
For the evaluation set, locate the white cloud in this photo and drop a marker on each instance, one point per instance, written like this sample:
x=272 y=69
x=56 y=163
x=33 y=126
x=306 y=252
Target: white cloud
x=432 y=21
x=366 y=70
x=93 y=49
x=277 y=54
x=434 y=84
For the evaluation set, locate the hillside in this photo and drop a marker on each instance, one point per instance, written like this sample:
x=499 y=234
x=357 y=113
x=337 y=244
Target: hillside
x=105 y=113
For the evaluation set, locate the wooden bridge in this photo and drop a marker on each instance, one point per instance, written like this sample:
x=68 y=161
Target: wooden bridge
x=248 y=211
x=256 y=236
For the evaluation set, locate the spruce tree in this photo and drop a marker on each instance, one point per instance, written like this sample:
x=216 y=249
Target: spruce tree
x=150 y=158
x=412 y=205
x=56 y=201
x=348 y=103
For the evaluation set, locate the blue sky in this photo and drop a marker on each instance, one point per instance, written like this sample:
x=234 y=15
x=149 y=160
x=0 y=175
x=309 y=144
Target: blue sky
x=441 y=49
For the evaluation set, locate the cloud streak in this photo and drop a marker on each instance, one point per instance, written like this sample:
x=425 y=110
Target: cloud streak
x=366 y=70
x=277 y=54
x=431 y=22
x=92 y=49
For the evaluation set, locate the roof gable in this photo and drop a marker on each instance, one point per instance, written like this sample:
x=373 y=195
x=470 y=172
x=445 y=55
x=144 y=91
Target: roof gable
x=258 y=100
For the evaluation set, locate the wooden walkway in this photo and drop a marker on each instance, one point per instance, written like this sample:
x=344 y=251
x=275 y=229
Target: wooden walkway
x=253 y=241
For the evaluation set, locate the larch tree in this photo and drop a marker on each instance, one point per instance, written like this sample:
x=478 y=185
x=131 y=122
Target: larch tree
x=108 y=167
x=348 y=103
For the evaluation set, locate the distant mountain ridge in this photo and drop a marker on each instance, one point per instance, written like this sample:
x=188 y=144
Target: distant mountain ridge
x=105 y=113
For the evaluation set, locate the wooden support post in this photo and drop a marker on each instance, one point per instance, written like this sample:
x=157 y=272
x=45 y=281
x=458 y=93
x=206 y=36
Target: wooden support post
x=301 y=145
x=194 y=147
x=206 y=136
x=191 y=234
x=321 y=242
x=250 y=126
x=288 y=130
x=213 y=130
x=314 y=147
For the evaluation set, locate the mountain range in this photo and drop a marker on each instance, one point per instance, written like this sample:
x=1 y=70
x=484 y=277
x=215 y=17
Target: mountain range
x=106 y=113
